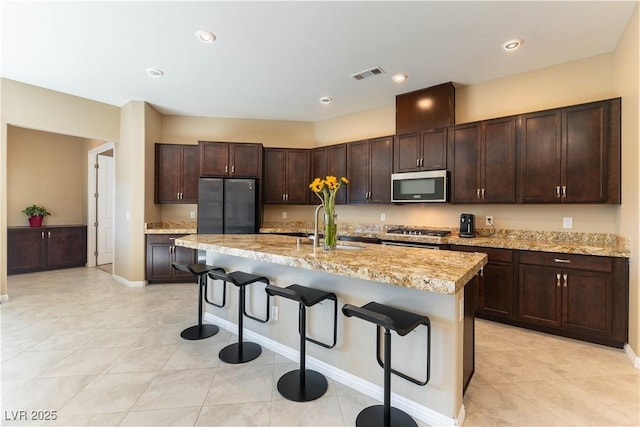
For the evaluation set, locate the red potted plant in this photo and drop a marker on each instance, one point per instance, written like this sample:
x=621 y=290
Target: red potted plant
x=35 y=214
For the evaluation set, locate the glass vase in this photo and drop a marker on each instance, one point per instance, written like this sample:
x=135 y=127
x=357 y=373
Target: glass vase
x=330 y=232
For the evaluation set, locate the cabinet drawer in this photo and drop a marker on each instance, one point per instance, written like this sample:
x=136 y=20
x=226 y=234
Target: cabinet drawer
x=494 y=254
x=582 y=262
x=168 y=239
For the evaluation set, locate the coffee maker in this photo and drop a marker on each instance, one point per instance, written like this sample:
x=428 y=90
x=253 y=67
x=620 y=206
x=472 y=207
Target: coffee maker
x=467 y=225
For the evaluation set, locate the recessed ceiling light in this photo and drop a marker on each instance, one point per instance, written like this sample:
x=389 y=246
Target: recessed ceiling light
x=205 y=36
x=325 y=100
x=154 y=72
x=399 y=78
x=513 y=44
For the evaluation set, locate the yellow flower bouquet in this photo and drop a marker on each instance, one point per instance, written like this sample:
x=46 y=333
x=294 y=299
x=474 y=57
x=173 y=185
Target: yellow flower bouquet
x=326 y=190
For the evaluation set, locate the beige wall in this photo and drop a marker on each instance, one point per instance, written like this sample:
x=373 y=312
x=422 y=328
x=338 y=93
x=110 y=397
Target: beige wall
x=31 y=107
x=46 y=169
x=627 y=83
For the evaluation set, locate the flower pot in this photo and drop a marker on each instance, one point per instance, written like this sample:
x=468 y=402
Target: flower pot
x=36 y=221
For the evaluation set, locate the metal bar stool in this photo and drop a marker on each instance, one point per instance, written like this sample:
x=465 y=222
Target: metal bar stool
x=303 y=385
x=402 y=322
x=241 y=352
x=199 y=331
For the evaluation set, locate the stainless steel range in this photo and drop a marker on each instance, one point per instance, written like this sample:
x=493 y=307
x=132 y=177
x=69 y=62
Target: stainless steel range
x=405 y=231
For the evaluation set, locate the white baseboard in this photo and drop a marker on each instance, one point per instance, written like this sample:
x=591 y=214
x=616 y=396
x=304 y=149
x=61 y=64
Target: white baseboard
x=633 y=358
x=4 y=297
x=365 y=387
x=129 y=283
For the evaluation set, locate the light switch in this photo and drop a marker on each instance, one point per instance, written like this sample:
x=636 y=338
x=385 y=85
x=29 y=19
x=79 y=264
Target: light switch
x=383 y=217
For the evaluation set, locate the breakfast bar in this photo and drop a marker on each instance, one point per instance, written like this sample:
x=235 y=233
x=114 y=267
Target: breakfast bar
x=428 y=282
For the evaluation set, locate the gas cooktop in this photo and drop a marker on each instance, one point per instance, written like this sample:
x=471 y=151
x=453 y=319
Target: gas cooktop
x=418 y=232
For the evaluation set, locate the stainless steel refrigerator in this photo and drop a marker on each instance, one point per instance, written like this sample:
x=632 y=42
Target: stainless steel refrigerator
x=227 y=206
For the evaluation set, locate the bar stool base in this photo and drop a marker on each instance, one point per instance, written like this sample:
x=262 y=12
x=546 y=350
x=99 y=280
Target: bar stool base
x=199 y=332
x=290 y=388
x=234 y=354
x=373 y=416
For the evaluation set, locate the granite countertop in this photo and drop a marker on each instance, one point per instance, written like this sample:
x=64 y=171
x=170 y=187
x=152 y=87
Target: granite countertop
x=545 y=241
x=171 y=227
x=443 y=272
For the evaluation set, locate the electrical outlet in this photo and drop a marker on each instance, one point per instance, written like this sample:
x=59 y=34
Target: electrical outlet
x=489 y=220
x=567 y=222
x=274 y=312
x=284 y=214
x=192 y=214
x=383 y=217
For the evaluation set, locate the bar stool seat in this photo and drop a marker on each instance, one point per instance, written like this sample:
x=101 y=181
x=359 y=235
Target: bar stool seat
x=241 y=352
x=402 y=322
x=304 y=385
x=199 y=331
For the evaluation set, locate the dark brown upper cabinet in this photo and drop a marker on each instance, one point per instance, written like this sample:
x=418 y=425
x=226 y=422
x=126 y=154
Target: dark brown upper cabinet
x=425 y=109
x=286 y=176
x=571 y=155
x=369 y=165
x=420 y=151
x=230 y=159
x=330 y=160
x=482 y=158
x=176 y=173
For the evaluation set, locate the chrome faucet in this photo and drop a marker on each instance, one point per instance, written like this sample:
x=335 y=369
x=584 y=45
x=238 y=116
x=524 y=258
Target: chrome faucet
x=316 y=237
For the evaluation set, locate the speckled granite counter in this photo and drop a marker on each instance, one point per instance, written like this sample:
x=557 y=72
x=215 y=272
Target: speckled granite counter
x=171 y=227
x=544 y=241
x=443 y=272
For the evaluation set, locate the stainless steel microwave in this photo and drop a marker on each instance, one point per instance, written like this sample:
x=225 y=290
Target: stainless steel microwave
x=419 y=187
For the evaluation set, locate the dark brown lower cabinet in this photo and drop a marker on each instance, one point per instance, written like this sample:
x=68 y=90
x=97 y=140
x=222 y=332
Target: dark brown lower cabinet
x=161 y=252
x=583 y=297
x=46 y=248
x=578 y=296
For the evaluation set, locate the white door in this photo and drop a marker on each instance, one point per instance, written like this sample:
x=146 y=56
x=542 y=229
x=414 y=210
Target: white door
x=105 y=210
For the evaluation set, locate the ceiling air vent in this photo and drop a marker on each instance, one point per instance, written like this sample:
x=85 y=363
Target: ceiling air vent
x=367 y=73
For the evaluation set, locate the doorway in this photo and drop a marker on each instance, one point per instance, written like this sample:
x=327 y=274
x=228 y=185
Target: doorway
x=101 y=196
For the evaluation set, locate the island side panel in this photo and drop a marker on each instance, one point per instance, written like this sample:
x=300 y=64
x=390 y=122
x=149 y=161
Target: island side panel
x=355 y=351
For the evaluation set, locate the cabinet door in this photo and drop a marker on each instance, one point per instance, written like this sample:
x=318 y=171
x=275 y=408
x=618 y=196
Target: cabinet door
x=274 y=175
x=587 y=302
x=183 y=256
x=498 y=160
x=168 y=170
x=25 y=250
x=434 y=149
x=380 y=166
x=331 y=160
x=159 y=258
x=465 y=163
x=406 y=153
x=496 y=290
x=245 y=160
x=358 y=171
x=190 y=173
x=297 y=177
x=214 y=159
x=584 y=155
x=66 y=247
x=540 y=295
x=540 y=150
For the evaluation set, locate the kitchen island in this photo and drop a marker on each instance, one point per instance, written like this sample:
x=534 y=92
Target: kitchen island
x=426 y=282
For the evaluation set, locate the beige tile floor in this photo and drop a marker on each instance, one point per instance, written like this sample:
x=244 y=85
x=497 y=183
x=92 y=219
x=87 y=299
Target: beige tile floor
x=100 y=354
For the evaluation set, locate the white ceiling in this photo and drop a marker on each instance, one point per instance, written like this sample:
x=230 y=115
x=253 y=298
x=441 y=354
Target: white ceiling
x=274 y=60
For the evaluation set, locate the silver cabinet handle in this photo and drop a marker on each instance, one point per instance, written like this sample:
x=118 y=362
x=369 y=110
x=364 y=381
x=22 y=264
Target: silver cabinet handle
x=477 y=193
x=42 y=235
x=483 y=193
x=564 y=276
x=49 y=234
x=562 y=261
x=286 y=197
x=172 y=238
x=177 y=196
x=564 y=191
x=421 y=162
x=558 y=280
x=233 y=169
x=417 y=162
x=226 y=169
x=283 y=197
x=557 y=191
